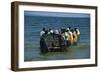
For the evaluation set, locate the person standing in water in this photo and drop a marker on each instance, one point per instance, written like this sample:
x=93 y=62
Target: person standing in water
x=76 y=34
x=42 y=32
x=67 y=38
x=70 y=36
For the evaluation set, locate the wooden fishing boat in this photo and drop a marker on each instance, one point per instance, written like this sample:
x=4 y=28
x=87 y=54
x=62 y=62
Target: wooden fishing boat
x=52 y=43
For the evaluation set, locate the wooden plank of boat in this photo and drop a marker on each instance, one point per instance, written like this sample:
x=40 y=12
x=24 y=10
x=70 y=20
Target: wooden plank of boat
x=54 y=47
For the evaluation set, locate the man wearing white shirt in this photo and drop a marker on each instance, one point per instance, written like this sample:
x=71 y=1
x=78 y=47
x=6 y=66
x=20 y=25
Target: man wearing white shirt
x=78 y=32
x=42 y=32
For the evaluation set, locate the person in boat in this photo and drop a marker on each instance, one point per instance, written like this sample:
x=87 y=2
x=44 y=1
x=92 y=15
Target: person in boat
x=42 y=32
x=75 y=37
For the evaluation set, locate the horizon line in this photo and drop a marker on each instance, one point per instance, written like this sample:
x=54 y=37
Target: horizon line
x=56 y=14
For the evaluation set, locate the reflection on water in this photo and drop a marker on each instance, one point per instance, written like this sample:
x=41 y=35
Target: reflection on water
x=81 y=51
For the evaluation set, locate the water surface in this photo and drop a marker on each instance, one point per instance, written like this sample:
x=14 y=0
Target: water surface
x=34 y=24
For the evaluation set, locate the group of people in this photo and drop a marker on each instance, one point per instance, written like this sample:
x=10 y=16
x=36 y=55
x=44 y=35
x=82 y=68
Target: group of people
x=71 y=36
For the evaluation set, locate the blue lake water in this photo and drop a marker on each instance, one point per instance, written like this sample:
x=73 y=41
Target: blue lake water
x=34 y=24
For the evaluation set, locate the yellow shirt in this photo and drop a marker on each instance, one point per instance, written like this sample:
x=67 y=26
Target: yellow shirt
x=75 y=36
x=68 y=36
